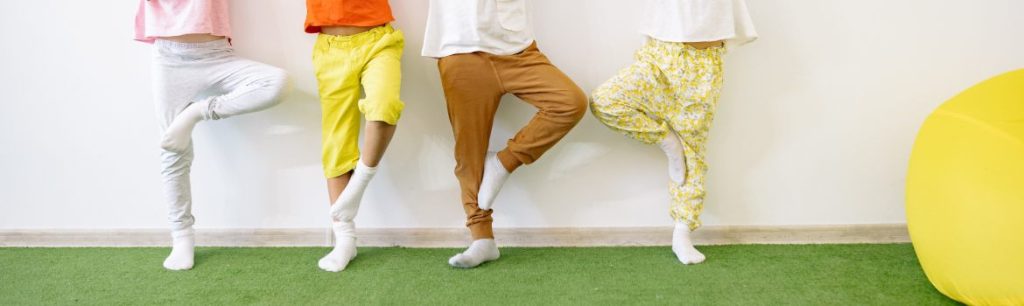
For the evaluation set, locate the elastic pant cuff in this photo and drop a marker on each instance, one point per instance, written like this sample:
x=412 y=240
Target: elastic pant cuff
x=481 y=230
x=387 y=112
x=509 y=160
x=693 y=223
x=207 y=108
x=183 y=224
x=340 y=170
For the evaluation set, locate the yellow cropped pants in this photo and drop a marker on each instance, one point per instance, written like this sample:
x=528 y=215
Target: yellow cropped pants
x=347 y=66
x=671 y=88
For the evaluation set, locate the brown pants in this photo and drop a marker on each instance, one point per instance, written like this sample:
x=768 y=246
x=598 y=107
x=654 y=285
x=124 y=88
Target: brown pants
x=473 y=85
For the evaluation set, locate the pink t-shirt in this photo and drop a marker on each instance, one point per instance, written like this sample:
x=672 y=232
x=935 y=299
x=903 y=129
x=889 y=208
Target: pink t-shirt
x=166 y=18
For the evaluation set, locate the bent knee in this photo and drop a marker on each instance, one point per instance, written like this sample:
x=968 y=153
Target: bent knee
x=272 y=85
x=598 y=99
x=276 y=84
x=576 y=104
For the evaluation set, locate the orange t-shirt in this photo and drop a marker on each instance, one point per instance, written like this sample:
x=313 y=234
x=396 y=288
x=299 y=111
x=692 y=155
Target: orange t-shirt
x=364 y=13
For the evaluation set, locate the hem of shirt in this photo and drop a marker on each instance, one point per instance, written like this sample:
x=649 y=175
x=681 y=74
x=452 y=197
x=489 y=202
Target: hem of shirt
x=315 y=28
x=453 y=50
x=731 y=41
x=150 y=39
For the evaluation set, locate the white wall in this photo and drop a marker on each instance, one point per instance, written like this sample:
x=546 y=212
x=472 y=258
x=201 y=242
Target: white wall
x=814 y=127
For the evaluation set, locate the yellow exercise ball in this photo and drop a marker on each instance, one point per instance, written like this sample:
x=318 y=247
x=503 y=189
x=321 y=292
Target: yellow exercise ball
x=965 y=194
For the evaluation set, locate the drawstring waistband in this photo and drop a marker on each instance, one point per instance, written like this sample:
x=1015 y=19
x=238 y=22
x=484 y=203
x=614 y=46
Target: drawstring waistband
x=220 y=43
x=369 y=35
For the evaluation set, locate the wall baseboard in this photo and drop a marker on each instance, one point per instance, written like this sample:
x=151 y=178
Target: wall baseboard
x=459 y=237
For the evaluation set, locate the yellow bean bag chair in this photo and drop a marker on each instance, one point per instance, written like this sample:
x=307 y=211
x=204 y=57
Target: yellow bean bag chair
x=965 y=194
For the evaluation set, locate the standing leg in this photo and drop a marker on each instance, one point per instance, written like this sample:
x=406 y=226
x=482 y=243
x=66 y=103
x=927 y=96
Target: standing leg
x=472 y=91
x=700 y=86
x=337 y=73
x=381 y=78
x=178 y=193
x=560 y=104
x=174 y=86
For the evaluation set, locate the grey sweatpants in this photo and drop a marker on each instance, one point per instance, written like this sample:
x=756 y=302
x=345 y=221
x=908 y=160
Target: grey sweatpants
x=184 y=73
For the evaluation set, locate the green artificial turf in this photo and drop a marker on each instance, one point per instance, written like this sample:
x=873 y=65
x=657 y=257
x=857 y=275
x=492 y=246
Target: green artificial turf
x=865 y=274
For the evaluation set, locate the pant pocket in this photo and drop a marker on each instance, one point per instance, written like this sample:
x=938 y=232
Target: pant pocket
x=512 y=14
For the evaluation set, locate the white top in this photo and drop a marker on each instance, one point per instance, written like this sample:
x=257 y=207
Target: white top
x=699 y=20
x=501 y=27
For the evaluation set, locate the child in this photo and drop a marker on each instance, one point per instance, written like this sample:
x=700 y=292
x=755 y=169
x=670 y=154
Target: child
x=668 y=96
x=486 y=49
x=196 y=76
x=355 y=50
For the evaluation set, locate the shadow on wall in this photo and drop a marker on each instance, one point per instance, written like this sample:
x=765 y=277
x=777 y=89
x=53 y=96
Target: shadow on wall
x=254 y=156
x=417 y=178
x=741 y=140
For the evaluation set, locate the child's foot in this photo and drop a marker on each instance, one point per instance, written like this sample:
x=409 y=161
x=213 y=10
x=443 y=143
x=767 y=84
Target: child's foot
x=673 y=149
x=683 y=247
x=347 y=205
x=495 y=175
x=178 y=135
x=182 y=250
x=480 y=251
x=344 y=251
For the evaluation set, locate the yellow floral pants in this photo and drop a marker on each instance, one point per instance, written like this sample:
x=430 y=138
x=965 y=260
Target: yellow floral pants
x=671 y=89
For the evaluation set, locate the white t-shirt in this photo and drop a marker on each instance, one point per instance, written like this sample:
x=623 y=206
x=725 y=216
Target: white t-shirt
x=501 y=27
x=699 y=20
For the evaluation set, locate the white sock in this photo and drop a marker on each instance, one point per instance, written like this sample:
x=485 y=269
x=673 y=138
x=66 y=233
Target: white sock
x=480 y=251
x=182 y=250
x=347 y=205
x=178 y=135
x=495 y=175
x=344 y=248
x=683 y=247
x=673 y=149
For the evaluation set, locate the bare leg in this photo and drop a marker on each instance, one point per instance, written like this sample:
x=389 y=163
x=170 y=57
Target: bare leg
x=378 y=136
x=344 y=236
x=346 y=191
x=336 y=185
